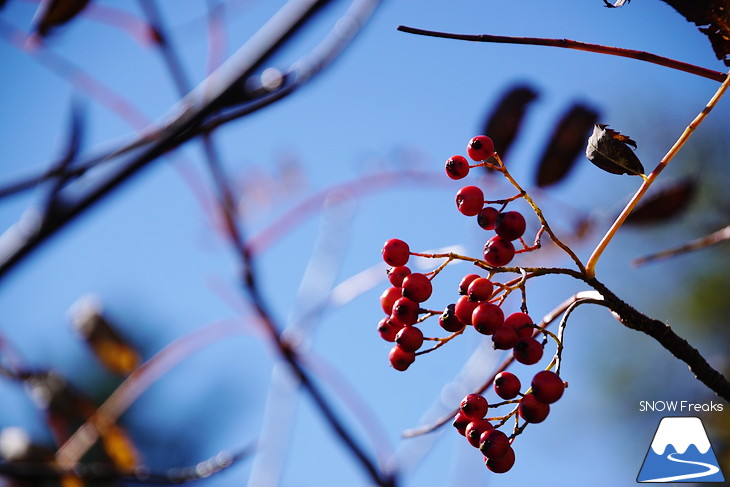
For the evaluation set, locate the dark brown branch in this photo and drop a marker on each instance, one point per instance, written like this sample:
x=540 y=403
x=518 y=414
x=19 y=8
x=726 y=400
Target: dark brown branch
x=667 y=338
x=577 y=45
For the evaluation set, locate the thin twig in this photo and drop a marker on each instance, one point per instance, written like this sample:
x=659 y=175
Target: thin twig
x=714 y=238
x=593 y=259
x=577 y=45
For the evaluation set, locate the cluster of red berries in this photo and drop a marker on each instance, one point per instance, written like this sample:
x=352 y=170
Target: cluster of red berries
x=532 y=407
x=508 y=225
x=479 y=305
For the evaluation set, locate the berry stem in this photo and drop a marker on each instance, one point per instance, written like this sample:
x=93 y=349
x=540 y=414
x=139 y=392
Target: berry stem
x=577 y=45
x=590 y=269
x=501 y=168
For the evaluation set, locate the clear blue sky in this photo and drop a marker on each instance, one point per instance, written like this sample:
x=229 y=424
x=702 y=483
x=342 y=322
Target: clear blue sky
x=392 y=101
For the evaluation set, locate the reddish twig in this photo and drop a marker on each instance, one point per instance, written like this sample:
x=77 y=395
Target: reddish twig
x=577 y=45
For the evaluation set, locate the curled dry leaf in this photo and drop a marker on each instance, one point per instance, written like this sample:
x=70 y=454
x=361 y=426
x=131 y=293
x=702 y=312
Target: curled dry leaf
x=504 y=122
x=712 y=17
x=110 y=348
x=610 y=151
x=565 y=145
x=52 y=13
x=667 y=203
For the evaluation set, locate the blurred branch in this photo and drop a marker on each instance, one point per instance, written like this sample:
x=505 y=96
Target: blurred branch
x=577 y=45
x=721 y=235
x=221 y=89
x=37 y=472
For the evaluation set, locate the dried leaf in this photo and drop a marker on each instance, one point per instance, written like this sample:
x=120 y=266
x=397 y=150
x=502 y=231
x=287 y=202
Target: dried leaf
x=713 y=19
x=119 y=448
x=52 y=13
x=566 y=144
x=610 y=151
x=110 y=348
x=504 y=122
x=666 y=204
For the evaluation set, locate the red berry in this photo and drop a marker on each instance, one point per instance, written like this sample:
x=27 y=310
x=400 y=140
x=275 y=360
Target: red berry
x=448 y=320
x=387 y=329
x=494 y=443
x=498 y=251
x=409 y=338
x=397 y=274
x=532 y=410
x=389 y=297
x=480 y=289
x=401 y=359
x=528 y=351
x=487 y=217
x=470 y=200
x=405 y=312
x=474 y=406
x=522 y=323
x=480 y=148
x=457 y=167
x=396 y=252
x=502 y=464
x=464 y=308
x=460 y=423
x=504 y=338
x=547 y=387
x=417 y=287
x=487 y=318
x=507 y=385
x=475 y=430
x=510 y=225
x=466 y=282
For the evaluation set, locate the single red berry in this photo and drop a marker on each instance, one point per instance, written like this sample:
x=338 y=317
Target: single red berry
x=417 y=287
x=387 y=329
x=528 y=351
x=397 y=274
x=396 y=252
x=487 y=318
x=470 y=200
x=480 y=148
x=480 y=289
x=464 y=308
x=474 y=406
x=476 y=429
x=389 y=297
x=498 y=251
x=507 y=385
x=460 y=423
x=448 y=320
x=493 y=443
x=510 y=225
x=504 y=338
x=532 y=410
x=502 y=464
x=522 y=323
x=466 y=282
x=409 y=338
x=487 y=217
x=405 y=312
x=457 y=167
x=547 y=386
x=401 y=359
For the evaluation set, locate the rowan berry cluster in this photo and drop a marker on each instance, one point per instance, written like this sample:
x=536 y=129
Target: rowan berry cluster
x=480 y=306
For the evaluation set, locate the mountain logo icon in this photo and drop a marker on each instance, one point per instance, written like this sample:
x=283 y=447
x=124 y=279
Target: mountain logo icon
x=680 y=452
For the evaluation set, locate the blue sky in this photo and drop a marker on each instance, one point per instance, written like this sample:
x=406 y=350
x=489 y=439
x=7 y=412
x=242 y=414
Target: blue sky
x=393 y=101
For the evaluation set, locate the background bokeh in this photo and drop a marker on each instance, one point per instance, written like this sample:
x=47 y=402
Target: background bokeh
x=393 y=103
